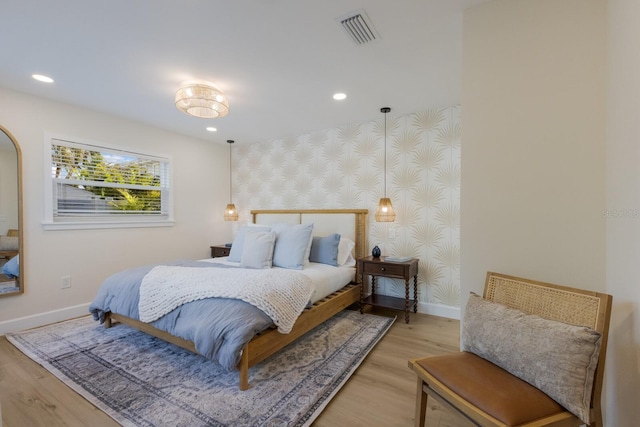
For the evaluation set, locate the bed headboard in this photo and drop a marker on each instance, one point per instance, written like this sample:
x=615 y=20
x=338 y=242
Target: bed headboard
x=351 y=223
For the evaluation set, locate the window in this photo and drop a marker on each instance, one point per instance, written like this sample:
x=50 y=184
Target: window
x=94 y=186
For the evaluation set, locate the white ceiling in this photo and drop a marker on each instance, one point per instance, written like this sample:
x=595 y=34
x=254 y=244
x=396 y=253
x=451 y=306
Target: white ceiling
x=278 y=61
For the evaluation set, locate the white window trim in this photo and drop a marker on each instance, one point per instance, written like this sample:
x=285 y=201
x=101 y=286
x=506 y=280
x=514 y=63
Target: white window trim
x=142 y=221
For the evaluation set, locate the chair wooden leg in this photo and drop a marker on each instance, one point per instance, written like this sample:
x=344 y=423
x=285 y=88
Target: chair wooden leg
x=596 y=418
x=421 y=405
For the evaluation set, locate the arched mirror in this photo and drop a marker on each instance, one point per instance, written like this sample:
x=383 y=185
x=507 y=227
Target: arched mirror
x=11 y=262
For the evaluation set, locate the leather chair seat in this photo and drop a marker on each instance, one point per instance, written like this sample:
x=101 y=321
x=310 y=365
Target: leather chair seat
x=490 y=388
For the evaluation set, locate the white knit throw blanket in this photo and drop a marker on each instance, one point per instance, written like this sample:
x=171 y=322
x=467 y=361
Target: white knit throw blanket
x=281 y=294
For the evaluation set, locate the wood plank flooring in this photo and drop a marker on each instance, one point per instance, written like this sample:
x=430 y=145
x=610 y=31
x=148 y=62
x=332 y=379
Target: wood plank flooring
x=380 y=393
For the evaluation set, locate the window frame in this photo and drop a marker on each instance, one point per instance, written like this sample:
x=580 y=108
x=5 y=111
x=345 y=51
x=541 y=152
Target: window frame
x=107 y=221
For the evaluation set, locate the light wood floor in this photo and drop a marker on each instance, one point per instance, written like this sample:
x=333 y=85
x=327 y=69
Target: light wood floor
x=380 y=393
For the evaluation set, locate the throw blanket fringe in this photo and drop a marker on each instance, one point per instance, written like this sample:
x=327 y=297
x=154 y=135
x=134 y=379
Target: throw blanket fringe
x=281 y=294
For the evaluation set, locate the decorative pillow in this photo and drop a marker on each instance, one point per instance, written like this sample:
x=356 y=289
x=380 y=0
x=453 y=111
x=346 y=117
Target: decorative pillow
x=345 y=256
x=325 y=249
x=555 y=357
x=258 y=249
x=235 y=254
x=292 y=242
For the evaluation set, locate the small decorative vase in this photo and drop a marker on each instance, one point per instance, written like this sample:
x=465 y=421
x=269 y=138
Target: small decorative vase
x=375 y=252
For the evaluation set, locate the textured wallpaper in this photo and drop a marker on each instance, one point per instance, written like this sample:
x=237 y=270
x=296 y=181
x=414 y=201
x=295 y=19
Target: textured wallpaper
x=344 y=168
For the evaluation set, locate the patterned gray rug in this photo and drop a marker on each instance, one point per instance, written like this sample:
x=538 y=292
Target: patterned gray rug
x=143 y=381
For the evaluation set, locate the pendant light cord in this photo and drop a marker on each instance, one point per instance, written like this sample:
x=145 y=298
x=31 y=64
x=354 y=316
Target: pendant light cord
x=385 y=155
x=230 y=141
x=385 y=110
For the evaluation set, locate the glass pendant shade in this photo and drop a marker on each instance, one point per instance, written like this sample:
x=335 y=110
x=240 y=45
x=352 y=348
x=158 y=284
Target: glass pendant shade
x=385 y=212
x=230 y=213
x=202 y=101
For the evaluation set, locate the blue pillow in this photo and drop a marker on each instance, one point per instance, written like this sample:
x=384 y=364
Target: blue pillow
x=235 y=254
x=292 y=242
x=325 y=249
x=258 y=249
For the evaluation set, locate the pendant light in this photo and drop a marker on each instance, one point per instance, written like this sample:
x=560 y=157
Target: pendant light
x=230 y=212
x=385 y=211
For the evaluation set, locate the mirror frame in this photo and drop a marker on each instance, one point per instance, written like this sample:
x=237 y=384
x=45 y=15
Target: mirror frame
x=20 y=279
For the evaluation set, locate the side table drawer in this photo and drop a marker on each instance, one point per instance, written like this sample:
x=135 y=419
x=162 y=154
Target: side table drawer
x=383 y=269
x=219 y=251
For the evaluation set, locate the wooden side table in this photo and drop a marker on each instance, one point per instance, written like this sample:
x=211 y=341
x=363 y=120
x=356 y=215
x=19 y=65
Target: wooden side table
x=220 y=250
x=378 y=267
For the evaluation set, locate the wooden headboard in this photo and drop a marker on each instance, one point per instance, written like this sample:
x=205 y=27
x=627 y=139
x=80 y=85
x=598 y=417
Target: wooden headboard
x=351 y=223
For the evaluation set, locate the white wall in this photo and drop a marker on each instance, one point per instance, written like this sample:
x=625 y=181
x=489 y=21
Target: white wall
x=535 y=182
x=200 y=183
x=533 y=129
x=622 y=375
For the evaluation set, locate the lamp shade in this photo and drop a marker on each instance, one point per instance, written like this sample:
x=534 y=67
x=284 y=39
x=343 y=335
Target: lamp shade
x=385 y=212
x=230 y=213
x=202 y=101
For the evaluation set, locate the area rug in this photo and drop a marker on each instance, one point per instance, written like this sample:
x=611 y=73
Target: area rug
x=140 y=380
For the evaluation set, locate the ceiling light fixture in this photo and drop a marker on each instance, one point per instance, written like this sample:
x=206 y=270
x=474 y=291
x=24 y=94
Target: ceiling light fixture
x=339 y=96
x=41 y=78
x=212 y=129
x=230 y=212
x=385 y=211
x=202 y=100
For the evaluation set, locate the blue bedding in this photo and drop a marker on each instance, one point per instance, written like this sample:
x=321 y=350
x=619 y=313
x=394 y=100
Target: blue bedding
x=219 y=327
x=11 y=268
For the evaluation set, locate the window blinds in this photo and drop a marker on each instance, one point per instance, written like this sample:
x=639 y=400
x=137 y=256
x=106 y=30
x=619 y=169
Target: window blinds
x=94 y=181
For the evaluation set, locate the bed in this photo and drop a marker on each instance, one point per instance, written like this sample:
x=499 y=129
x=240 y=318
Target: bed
x=221 y=331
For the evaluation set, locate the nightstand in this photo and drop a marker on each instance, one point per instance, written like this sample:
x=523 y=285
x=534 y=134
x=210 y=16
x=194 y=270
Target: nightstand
x=378 y=267
x=220 y=250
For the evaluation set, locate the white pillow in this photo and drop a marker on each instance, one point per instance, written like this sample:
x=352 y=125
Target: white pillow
x=258 y=249
x=293 y=244
x=345 y=248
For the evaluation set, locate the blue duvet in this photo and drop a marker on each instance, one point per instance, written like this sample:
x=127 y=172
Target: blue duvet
x=11 y=268
x=219 y=327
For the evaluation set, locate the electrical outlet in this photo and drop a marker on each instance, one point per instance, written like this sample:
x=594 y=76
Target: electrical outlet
x=66 y=282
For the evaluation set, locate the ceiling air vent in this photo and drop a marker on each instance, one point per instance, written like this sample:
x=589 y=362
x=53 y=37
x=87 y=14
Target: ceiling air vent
x=359 y=27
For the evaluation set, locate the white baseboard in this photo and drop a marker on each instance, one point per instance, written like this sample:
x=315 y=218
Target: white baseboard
x=41 y=319
x=439 y=310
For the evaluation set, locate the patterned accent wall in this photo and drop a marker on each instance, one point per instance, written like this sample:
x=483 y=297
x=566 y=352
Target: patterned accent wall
x=344 y=168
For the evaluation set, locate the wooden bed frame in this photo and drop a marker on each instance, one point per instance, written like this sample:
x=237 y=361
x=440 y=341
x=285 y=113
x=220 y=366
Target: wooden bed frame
x=270 y=341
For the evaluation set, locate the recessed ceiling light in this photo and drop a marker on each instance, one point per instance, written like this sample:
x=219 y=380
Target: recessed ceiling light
x=41 y=78
x=339 y=96
x=212 y=129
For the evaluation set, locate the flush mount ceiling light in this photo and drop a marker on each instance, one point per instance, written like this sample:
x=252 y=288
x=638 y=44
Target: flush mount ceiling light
x=202 y=100
x=339 y=96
